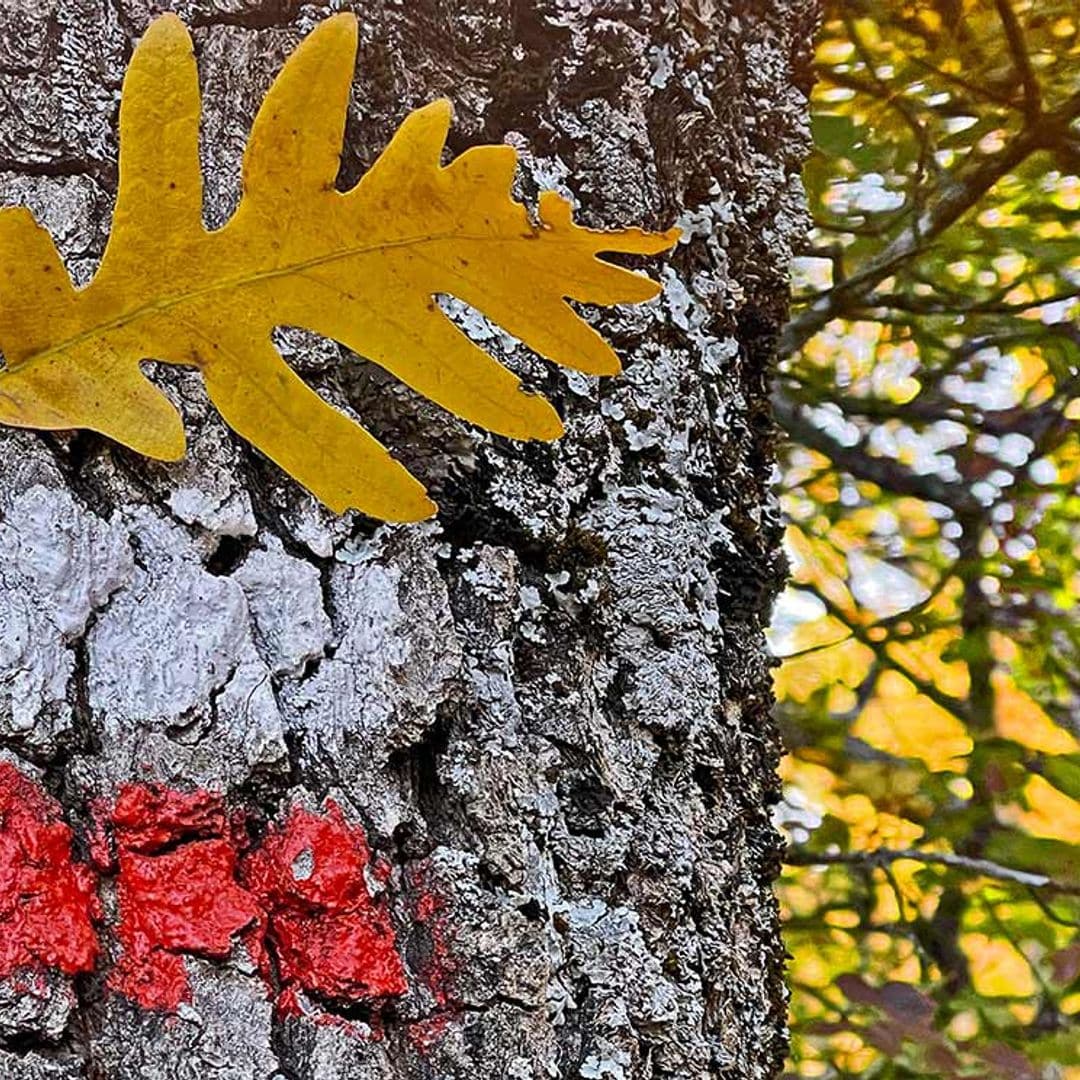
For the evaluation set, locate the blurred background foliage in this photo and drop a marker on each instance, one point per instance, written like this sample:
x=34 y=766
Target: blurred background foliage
x=930 y=683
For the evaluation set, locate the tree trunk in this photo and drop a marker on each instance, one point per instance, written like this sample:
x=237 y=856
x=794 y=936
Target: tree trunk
x=548 y=711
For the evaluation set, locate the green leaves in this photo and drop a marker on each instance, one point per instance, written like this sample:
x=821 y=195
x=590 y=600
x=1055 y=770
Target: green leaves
x=1063 y=771
x=932 y=492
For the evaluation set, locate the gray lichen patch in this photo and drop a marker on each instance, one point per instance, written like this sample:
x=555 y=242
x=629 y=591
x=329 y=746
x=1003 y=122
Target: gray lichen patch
x=393 y=660
x=39 y=1005
x=35 y=1066
x=62 y=564
x=284 y=597
x=176 y=687
x=225 y=1032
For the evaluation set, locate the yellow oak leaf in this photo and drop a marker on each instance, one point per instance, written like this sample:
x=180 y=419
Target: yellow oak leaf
x=363 y=267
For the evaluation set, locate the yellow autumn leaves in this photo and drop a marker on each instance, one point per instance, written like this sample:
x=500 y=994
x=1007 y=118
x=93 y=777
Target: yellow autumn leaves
x=363 y=267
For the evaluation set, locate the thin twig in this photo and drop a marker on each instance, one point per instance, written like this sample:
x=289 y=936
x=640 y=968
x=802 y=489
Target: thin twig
x=956 y=706
x=956 y=195
x=887 y=473
x=881 y=857
x=1014 y=34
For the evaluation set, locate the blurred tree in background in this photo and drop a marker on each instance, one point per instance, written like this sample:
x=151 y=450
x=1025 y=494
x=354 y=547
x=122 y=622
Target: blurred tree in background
x=930 y=689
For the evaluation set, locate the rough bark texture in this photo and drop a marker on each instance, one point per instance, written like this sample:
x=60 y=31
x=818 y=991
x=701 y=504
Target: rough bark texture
x=550 y=708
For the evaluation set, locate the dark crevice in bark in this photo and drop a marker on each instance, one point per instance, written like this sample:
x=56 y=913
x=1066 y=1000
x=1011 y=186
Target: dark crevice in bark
x=229 y=553
x=269 y=15
x=74 y=453
x=57 y=167
x=418 y=765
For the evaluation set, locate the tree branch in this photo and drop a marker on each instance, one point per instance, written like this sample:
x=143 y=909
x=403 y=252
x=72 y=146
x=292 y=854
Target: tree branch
x=888 y=474
x=926 y=305
x=1014 y=34
x=953 y=705
x=957 y=195
x=881 y=857
x=928 y=408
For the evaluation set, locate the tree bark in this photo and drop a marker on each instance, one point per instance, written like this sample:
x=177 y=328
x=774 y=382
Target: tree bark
x=549 y=709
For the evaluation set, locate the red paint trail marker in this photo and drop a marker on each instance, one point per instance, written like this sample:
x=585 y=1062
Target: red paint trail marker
x=177 y=890
x=327 y=933
x=437 y=968
x=48 y=902
x=188 y=885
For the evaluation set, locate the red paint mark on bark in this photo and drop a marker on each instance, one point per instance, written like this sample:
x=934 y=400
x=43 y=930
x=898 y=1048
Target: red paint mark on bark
x=327 y=934
x=432 y=913
x=426 y=1034
x=177 y=890
x=188 y=885
x=148 y=817
x=48 y=903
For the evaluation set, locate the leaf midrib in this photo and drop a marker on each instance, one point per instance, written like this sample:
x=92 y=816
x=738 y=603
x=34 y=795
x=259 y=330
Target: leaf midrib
x=340 y=255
